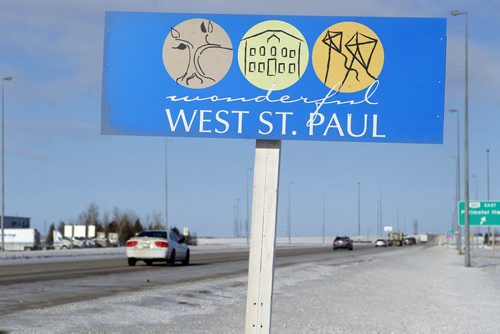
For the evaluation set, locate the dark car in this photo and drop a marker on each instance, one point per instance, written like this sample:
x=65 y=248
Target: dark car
x=342 y=242
x=410 y=241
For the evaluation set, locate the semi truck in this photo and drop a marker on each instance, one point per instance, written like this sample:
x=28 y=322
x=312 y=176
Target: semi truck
x=395 y=238
x=21 y=239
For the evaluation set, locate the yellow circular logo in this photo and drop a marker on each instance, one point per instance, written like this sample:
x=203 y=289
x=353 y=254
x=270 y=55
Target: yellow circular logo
x=348 y=57
x=273 y=55
x=197 y=53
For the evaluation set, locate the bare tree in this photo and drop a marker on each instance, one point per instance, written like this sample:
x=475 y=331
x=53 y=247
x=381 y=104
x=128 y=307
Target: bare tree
x=123 y=224
x=89 y=217
x=104 y=225
x=60 y=227
x=156 y=222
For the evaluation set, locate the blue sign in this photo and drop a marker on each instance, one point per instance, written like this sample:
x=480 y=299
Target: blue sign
x=358 y=79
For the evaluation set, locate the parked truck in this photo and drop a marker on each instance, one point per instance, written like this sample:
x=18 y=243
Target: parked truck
x=395 y=238
x=21 y=239
x=61 y=242
x=424 y=238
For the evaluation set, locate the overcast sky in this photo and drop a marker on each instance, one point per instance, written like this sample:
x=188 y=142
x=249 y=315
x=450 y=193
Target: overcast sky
x=57 y=162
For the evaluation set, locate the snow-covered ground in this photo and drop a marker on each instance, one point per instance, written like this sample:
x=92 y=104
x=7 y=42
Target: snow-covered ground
x=409 y=290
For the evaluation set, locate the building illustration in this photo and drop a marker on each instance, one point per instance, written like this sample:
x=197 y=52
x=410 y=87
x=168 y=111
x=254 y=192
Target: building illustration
x=272 y=58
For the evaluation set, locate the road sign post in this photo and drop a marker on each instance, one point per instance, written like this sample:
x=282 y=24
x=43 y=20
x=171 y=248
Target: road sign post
x=263 y=236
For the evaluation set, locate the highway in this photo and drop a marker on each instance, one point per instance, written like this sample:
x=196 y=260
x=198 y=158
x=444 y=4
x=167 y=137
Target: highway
x=39 y=285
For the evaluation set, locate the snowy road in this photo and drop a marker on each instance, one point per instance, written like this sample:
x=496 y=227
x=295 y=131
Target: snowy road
x=405 y=290
x=34 y=272
x=53 y=283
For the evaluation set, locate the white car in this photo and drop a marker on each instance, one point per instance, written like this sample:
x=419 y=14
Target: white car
x=157 y=246
x=380 y=243
x=78 y=242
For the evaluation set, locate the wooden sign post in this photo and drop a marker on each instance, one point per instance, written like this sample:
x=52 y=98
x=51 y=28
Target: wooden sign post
x=263 y=236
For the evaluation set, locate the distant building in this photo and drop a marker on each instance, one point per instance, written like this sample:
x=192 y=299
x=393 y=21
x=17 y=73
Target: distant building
x=16 y=222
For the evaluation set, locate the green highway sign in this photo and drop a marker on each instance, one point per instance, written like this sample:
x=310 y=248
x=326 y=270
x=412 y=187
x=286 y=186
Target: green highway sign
x=481 y=213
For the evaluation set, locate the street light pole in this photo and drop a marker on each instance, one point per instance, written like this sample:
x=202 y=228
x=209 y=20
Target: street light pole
x=457 y=184
x=2 y=219
x=381 y=222
x=466 y=139
x=397 y=218
x=166 y=184
x=238 y=217
x=378 y=218
x=235 y=222
x=359 y=210
x=323 y=222
x=488 y=179
x=476 y=198
x=289 y=225
x=474 y=177
x=488 y=174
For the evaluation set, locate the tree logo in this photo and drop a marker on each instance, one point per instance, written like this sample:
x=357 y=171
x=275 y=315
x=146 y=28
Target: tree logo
x=348 y=57
x=197 y=53
x=273 y=55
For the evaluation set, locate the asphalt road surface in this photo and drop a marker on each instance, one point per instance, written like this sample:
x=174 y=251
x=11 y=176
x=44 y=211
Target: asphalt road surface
x=39 y=285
